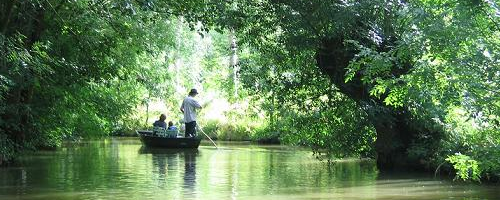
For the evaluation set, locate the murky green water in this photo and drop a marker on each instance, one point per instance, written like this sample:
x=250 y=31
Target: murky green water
x=119 y=168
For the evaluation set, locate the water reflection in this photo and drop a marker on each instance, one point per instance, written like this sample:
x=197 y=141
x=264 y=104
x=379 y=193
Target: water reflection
x=190 y=171
x=120 y=168
x=167 y=160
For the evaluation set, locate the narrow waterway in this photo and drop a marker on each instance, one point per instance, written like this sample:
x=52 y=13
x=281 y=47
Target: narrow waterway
x=120 y=168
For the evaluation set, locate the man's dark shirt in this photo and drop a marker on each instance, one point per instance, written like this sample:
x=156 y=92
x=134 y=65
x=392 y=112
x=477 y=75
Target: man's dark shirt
x=159 y=123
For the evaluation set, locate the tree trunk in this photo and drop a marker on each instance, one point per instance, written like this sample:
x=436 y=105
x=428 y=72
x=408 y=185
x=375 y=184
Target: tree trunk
x=394 y=135
x=9 y=8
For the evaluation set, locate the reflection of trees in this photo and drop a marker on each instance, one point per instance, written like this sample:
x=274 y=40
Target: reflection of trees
x=95 y=166
x=265 y=171
x=87 y=165
x=104 y=171
x=289 y=170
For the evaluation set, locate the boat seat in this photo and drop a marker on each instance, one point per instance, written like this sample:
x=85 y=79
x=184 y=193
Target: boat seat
x=159 y=131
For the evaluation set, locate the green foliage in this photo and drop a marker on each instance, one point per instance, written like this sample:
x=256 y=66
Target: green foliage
x=480 y=144
x=425 y=57
x=266 y=134
x=302 y=106
x=338 y=132
x=236 y=125
x=7 y=149
x=77 y=69
x=466 y=167
x=421 y=58
x=230 y=130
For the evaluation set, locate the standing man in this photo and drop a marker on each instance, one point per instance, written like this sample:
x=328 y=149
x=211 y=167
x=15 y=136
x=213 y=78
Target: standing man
x=188 y=107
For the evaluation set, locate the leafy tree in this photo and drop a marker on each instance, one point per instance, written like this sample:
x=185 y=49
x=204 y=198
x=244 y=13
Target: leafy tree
x=407 y=65
x=73 y=67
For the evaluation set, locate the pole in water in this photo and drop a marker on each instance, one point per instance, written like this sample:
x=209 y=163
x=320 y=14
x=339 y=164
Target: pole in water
x=207 y=136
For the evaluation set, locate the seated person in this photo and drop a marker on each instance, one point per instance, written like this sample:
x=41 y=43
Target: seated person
x=161 y=122
x=171 y=126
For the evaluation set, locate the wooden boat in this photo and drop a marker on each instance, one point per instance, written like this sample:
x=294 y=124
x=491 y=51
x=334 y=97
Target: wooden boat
x=154 y=140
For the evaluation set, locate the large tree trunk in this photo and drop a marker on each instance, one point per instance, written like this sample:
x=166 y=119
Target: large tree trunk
x=394 y=135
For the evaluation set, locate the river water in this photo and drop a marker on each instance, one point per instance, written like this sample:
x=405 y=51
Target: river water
x=120 y=168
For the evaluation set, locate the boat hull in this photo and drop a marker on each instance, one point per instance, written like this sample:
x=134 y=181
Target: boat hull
x=150 y=140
